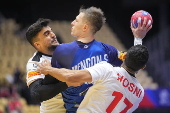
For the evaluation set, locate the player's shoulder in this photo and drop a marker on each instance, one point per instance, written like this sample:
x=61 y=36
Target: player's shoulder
x=105 y=64
x=105 y=46
x=103 y=43
x=65 y=46
x=38 y=56
x=33 y=60
x=108 y=66
x=34 y=56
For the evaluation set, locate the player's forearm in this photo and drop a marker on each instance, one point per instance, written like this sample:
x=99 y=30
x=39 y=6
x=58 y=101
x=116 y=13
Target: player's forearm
x=40 y=92
x=61 y=74
x=67 y=75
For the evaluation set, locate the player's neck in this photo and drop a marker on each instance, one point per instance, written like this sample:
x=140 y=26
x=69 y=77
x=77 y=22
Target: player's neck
x=47 y=52
x=128 y=70
x=86 y=39
x=83 y=40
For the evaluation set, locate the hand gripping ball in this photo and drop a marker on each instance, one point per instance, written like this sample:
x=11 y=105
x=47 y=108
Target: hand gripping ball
x=139 y=16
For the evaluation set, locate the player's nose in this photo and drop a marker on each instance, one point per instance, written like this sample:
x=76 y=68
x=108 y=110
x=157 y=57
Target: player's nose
x=53 y=35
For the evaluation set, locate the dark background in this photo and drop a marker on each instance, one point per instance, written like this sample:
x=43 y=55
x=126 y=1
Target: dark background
x=118 y=12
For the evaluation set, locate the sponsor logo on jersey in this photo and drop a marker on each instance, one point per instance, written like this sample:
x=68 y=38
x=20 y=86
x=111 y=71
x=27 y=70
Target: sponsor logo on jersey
x=35 y=65
x=86 y=46
x=33 y=73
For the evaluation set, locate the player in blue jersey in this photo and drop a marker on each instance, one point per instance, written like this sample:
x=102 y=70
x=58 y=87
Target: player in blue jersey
x=86 y=51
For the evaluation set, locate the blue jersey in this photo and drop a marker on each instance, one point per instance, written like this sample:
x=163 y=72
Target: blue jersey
x=77 y=56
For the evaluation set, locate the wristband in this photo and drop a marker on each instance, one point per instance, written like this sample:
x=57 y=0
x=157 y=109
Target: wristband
x=137 y=41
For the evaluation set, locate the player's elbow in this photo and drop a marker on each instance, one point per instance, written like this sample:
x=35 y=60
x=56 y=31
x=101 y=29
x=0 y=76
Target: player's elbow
x=35 y=96
x=70 y=78
x=77 y=76
x=35 y=91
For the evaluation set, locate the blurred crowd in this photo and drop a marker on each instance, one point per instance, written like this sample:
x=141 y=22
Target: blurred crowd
x=12 y=89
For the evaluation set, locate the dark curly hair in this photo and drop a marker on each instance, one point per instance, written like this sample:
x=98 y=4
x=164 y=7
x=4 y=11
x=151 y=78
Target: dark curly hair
x=35 y=28
x=136 y=57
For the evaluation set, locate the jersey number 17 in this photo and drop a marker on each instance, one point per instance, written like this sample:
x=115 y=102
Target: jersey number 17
x=118 y=97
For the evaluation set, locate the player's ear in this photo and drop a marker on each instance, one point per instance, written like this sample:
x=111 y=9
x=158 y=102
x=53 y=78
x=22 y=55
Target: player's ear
x=85 y=27
x=143 y=67
x=36 y=44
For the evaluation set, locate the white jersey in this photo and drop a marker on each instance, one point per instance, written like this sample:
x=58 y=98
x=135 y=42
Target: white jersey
x=114 y=91
x=53 y=105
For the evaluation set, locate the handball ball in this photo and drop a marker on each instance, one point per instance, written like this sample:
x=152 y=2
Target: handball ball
x=139 y=16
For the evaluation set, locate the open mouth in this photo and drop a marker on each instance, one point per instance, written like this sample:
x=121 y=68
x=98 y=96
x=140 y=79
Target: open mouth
x=55 y=41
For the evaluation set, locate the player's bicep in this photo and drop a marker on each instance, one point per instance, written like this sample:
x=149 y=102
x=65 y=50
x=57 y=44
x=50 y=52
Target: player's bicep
x=85 y=76
x=98 y=71
x=113 y=55
x=29 y=82
x=32 y=73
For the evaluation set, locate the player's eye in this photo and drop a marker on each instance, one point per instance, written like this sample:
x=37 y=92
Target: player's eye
x=47 y=33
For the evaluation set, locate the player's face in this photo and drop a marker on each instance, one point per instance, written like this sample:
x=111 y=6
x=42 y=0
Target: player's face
x=47 y=39
x=78 y=26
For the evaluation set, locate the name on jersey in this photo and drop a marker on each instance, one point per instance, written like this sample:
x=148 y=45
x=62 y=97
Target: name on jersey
x=33 y=73
x=88 y=62
x=130 y=86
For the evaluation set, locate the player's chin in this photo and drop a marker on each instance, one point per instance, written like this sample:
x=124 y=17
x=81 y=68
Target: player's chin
x=73 y=35
x=56 y=44
x=52 y=47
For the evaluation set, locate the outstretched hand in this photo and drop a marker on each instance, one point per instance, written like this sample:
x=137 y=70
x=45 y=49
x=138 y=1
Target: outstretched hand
x=141 y=30
x=44 y=66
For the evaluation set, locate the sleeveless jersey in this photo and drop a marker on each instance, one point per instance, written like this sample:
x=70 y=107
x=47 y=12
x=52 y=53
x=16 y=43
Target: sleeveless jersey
x=77 y=56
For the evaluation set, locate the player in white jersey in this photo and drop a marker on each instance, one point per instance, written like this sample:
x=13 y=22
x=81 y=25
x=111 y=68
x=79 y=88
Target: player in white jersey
x=43 y=88
x=115 y=89
x=54 y=104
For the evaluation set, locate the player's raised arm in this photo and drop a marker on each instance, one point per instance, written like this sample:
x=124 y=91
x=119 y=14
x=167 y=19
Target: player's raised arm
x=141 y=23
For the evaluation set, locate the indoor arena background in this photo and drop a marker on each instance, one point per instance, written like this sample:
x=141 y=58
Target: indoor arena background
x=17 y=15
